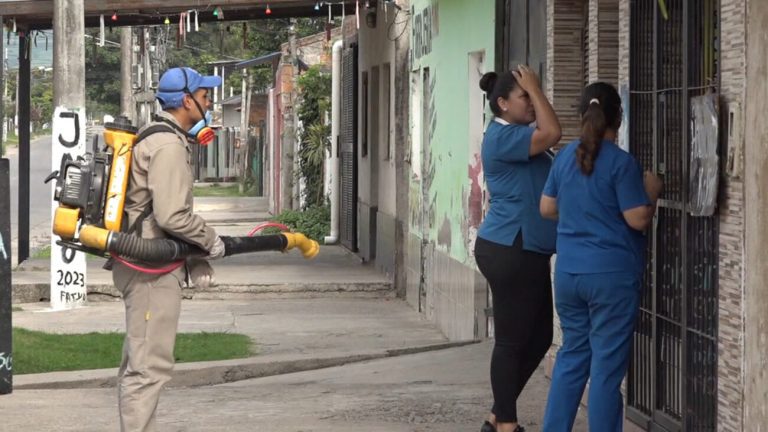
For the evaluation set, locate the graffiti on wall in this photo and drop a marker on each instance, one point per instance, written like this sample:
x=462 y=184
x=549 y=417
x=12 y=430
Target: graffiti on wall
x=423 y=216
x=68 y=276
x=423 y=31
x=428 y=158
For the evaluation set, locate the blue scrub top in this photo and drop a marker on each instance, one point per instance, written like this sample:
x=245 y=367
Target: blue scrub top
x=515 y=181
x=592 y=235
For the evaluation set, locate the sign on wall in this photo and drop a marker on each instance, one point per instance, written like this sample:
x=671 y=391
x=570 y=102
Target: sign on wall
x=68 y=284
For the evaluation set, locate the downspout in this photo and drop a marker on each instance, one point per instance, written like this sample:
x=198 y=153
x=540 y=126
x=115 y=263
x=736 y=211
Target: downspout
x=333 y=160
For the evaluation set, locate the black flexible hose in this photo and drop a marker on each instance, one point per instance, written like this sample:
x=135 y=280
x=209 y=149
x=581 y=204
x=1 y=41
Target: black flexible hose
x=167 y=250
x=151 y=250
x=238 y=245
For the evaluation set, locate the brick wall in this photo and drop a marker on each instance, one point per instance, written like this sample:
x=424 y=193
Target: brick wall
x=624 y=42
x=608 y=41
x=730 y=325
x=593 y=42
x=731 y=307
x=565 y=67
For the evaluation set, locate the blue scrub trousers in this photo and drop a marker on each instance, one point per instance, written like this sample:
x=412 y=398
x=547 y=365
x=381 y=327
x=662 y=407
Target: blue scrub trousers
x=597 y=315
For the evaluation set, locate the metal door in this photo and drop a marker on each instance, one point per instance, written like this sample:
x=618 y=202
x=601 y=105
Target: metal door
x=348 y=150
x=672 y=383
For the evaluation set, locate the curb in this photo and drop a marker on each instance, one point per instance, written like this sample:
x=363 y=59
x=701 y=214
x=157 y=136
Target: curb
x=36 y=292
x=221 y=372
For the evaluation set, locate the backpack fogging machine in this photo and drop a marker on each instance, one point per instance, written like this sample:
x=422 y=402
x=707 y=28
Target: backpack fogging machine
x=91 y=194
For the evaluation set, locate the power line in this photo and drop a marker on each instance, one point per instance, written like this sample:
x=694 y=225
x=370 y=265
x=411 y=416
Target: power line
x=106 y=41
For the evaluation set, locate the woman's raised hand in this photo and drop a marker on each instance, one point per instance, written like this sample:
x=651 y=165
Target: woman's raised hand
x=526 y=78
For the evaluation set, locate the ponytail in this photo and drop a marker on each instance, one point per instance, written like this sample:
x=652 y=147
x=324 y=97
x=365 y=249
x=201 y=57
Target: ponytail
x=600 y=111
x=593 y=126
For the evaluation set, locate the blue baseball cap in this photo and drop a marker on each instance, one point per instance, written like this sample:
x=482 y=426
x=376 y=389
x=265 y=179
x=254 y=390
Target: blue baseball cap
x=175 y=82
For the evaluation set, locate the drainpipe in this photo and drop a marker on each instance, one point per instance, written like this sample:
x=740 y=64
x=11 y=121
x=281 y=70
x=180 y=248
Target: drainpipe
x=333 y=160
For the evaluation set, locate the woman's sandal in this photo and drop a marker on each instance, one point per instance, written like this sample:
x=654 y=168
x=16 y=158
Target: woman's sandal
x=488 y=427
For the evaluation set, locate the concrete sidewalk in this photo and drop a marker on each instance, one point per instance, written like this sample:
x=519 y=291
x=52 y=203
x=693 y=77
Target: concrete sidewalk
x=335 y=271
x=437 y=391
x=291 y=335
x=336 y=351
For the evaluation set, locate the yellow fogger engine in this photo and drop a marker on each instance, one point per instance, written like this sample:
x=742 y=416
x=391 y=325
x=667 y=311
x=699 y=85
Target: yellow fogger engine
x=91 y=194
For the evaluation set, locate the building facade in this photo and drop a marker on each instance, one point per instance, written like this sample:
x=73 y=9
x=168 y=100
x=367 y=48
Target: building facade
x=699 y=354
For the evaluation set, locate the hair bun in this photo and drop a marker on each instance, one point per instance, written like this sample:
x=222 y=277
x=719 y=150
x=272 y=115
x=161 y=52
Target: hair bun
x=488 y=82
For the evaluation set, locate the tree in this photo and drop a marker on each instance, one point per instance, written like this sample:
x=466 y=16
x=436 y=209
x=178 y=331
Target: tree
x=102 y=75
x=313 y=108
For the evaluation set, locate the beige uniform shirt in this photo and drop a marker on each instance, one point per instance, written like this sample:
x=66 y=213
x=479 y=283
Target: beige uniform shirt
x=161 y=176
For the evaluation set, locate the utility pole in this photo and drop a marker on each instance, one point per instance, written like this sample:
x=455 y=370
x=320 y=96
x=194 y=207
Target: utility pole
x=242 y=151
x=289 y=129
x=68 y=53
x=23 y=106
x=2 y=85
x=126 y=59
x=6 y=323
x=149 y=94
x=68 y=137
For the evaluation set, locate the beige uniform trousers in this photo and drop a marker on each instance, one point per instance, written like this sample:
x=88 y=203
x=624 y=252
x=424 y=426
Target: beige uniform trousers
x=152 y=307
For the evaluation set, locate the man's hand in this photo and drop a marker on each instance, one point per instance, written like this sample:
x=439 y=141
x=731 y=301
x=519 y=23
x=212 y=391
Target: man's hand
x=201 y=273
x=217 y=251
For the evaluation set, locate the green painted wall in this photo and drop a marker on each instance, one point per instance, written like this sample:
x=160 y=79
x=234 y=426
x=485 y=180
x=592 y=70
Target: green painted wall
x=444 y=203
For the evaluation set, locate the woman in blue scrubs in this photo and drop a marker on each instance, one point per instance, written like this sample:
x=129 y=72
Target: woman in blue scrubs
x=514 y=243
x=603 y=203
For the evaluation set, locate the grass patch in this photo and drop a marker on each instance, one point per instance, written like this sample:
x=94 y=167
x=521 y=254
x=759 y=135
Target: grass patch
x=218 y=191
x=17 y=309
x=43 y=252
x=38 y=352
x=12 y=140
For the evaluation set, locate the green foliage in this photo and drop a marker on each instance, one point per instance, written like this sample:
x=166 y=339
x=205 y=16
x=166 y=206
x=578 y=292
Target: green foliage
x=314 y=222
x=221 y=41
x=41 y=97
x=315 y=143
x=102 y=75
x=315 y=93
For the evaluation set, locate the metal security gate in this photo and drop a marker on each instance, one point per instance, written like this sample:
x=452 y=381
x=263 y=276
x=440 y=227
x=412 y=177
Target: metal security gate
x=521 y=35
x=672 y=382
x=348 y=150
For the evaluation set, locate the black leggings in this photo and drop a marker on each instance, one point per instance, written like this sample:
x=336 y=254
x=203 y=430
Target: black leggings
x=522 y=316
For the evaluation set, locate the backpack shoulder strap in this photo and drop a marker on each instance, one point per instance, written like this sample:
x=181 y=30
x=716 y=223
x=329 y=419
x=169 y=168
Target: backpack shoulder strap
x=151 y=130
x=146 y=133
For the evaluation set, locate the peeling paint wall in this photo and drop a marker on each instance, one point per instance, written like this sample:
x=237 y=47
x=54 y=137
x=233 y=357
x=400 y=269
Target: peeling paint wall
x=452 y=45
x=451 y=39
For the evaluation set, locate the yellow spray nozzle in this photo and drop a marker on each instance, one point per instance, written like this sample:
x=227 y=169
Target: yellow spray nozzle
x=309 y=248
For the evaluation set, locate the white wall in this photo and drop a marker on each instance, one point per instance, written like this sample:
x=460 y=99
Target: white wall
x=377 y=50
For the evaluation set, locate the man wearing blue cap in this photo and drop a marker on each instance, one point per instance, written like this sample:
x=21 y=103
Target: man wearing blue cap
x=159 y=205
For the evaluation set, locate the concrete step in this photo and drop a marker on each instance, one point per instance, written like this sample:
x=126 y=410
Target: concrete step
x=335 y=272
